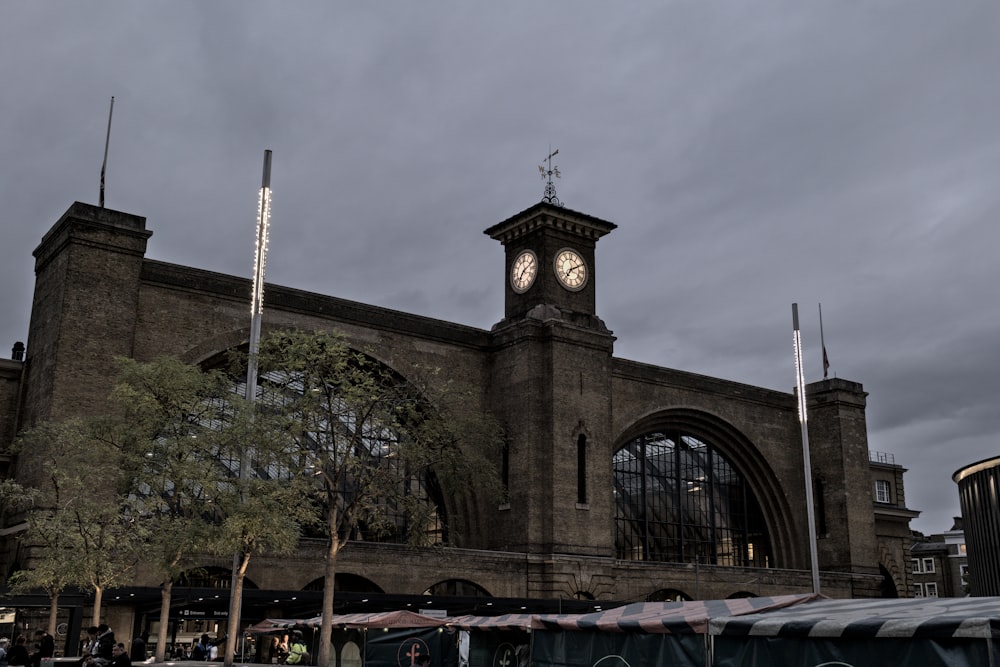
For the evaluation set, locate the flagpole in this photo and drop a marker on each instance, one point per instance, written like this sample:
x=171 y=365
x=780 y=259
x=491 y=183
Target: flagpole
x=800 y=386
x=107 y=140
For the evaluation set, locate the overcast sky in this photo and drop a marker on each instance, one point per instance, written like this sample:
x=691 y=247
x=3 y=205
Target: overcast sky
x=753 y=154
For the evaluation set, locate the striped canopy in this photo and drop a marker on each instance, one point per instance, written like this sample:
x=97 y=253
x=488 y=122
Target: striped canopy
x=387 y=619
x=644 y=617
x=667 y=617
x=932 y=618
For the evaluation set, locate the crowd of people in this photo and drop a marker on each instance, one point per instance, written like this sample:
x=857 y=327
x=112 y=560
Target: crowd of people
x=19 y=655
x=101 y=649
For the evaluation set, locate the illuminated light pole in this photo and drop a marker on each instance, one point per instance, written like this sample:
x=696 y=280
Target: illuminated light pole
x=256 y=314
x=800 y=388
x=259 y=263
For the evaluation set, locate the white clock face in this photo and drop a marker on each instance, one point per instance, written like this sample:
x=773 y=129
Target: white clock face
x=571 y=270
x=523 y=271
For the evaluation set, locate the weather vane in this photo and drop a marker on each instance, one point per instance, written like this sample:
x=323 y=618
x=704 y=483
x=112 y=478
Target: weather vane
x=550 y=189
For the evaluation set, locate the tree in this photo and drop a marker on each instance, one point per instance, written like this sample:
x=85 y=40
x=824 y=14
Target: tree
x=184 y=435
x=369 y=440
x=169 y=421
x=79 y=532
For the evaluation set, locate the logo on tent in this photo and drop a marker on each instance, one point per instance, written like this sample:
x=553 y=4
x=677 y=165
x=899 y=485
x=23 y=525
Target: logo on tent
x=410 y=650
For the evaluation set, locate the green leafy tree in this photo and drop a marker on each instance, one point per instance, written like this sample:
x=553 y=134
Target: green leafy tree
x=366 y=439
x=173 y=424
x=186 y=440
x=79 y=532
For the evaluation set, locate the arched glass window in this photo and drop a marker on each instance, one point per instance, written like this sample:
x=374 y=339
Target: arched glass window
x=679 y=500
x=378 y=441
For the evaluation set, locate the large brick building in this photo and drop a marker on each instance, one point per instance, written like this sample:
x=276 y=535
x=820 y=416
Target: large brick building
x=626 y=481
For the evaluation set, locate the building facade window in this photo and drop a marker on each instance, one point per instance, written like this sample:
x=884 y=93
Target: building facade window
x=918 y=590
x=930 y=590
x=378 y=441
x=882 y=491
x=928 y=565
x=915 y=563
x=677 y=499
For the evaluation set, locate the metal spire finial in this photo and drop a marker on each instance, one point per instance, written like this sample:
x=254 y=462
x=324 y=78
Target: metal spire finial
x=550 y=189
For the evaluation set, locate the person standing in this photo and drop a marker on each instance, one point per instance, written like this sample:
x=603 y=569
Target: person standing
x=90 y=646
x=18 y=653
x=45 y=647
x=105 y=644
x=137 y=653
x=298 y=654
x=200 y=650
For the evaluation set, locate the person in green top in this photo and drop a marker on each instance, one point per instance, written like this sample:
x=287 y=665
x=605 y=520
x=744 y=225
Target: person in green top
x=298 y=654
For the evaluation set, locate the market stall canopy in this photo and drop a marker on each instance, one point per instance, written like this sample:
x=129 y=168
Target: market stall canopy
x=503 y=622
x=668 y=617
x=388 y=619
x=936 y=618
x=646 y=617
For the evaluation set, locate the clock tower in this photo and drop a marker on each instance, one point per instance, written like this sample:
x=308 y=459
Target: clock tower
x=551 y=386
x=550 y=262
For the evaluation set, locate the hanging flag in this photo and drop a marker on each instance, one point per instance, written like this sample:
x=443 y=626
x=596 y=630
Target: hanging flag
x=822 y=342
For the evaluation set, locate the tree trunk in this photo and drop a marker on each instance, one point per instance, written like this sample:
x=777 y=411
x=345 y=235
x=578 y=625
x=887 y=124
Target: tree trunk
x=235 y=609
x=166 y=591
x=326 y=623
x=53 y=612
x=98 y=598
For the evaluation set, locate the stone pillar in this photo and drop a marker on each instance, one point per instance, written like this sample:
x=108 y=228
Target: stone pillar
x=838 y=440
x=551 y=386
x=84 y=310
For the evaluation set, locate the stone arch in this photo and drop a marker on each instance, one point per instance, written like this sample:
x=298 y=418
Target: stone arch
x=745 y=457
x=213 y=346
x=668 y=595
x=211 y=576
x=740 y=594
x=888 y=588
x=346 y=582
x=458 y=587
x=892 y=578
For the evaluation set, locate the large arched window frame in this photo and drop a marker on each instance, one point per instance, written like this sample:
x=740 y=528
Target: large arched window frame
x=678 y=499
x=379 y=441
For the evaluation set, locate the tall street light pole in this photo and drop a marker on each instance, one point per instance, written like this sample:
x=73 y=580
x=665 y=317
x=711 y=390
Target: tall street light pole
x=256 y=314
x=800 y=390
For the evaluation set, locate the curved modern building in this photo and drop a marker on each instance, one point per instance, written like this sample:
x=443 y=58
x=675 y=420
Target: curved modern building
x=978 y=487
